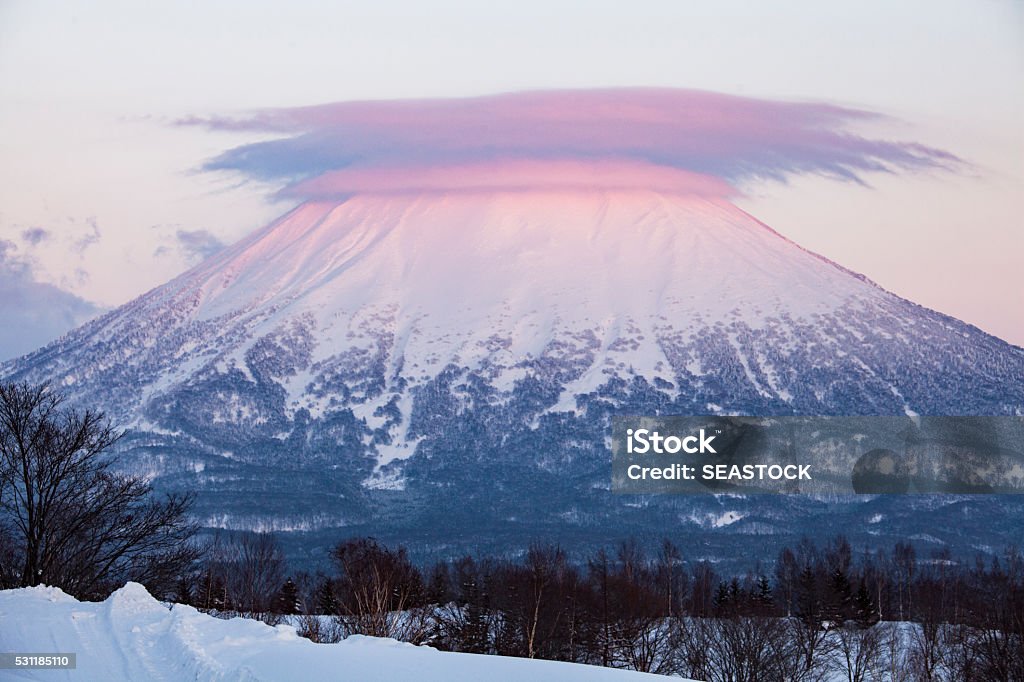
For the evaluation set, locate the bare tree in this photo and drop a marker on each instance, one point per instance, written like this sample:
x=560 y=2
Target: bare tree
x=926 y=648
x=697 y=637
x=787 y=572
x=963 y=659
x=904 y=561
x=750 y=649
x=634 y=628
x=671 y=576
x=67 y=518
x=250 y=569
x=379 y=592
x=859 y=651
x=896 y=659
x=539 y=609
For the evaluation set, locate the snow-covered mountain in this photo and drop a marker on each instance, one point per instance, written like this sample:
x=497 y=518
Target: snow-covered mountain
x=398 y=362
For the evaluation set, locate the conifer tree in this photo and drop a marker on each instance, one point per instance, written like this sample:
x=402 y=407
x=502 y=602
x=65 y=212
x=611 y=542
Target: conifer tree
x=326 y=601
x=287 y=600
x=865 y=612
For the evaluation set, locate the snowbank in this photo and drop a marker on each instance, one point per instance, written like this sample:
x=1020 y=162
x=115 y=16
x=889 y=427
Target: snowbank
x=131 y=636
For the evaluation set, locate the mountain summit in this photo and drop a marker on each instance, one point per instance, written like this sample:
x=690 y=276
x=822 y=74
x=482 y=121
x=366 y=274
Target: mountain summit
x=392 y=358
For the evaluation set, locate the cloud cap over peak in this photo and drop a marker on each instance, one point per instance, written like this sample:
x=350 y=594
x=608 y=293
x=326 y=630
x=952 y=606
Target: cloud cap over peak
x=334 y=148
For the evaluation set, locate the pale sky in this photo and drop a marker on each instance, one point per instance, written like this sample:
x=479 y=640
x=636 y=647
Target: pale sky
x=101 y=196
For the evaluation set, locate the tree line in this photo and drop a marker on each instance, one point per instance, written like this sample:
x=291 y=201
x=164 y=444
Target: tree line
x=820 y=612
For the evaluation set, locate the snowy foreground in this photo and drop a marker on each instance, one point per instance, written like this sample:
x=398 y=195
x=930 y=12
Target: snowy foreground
x=132 y=636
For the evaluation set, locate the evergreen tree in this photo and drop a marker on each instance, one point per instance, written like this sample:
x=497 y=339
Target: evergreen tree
x=212 y=592
x=865 y=612
x=763 y=597
x=287 y=599
x=439 y=585
x=326 y=601
x=476 y=631
x=808 y=598
x=840 y=600
x=722 y=597
x=183 y=591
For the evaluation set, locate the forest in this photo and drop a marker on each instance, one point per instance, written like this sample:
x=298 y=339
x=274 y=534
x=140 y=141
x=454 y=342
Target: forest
x=818 y=613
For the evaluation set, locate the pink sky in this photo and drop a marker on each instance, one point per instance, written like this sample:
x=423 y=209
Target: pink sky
x=102 y=197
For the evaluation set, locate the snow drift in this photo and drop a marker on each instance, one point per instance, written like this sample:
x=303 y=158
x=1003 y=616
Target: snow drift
x=131 y=636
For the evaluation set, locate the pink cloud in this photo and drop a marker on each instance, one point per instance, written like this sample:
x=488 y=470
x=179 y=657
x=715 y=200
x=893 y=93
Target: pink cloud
x=364 y=144
x=510 y=176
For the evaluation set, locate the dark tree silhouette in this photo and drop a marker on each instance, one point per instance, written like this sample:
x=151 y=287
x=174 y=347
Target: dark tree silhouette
x=287 y=600
x=67 y=517
x=379 y=592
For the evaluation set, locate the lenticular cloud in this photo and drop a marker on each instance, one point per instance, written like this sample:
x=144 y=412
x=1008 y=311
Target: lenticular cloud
x=602 y=138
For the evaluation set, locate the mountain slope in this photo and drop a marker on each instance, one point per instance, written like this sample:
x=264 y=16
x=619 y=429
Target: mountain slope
x=401 y=359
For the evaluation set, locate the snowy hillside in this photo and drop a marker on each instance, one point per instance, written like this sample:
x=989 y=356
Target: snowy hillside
x=408 y=361
x=355 y=305
x=132 y=637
